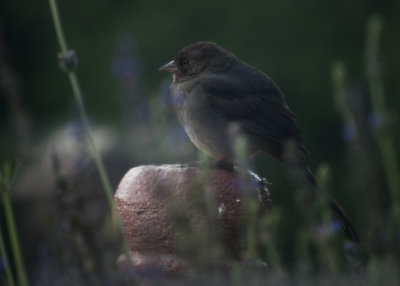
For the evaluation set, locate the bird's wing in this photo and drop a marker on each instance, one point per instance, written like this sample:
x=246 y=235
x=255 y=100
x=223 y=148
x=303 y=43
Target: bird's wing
x=260 y=110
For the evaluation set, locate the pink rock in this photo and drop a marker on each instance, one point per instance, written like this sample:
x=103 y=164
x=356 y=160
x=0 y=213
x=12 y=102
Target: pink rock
x=181 y=213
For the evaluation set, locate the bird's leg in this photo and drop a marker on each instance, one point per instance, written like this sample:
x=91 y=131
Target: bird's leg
x=261 y=185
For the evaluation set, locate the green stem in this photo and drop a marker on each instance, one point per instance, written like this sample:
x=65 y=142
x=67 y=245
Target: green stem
x=96 y=155
x=79 y=101
x=391 y=168
x=4 y=255
x=383 y=138
x=85 y=121
x=9 y=217
x=58 y=27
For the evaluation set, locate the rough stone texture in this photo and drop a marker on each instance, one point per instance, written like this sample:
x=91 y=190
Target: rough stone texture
x=169 y=209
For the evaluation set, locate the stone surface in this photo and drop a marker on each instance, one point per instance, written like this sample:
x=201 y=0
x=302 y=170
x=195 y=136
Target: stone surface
x=188 y=212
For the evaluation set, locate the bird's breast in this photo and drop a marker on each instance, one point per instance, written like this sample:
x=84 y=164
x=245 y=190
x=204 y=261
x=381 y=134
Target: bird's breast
x=204 y=126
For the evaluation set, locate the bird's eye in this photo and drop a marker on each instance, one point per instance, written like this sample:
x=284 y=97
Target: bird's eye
x=185 y=62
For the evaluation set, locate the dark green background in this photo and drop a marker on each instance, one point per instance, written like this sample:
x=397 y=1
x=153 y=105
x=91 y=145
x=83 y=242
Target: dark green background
x=294 y=42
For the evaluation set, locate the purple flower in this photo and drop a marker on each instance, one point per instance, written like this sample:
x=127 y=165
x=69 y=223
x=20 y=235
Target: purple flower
x=348 y=133
x=123 y=68
x=335 y=226
x=3 y=265
x=75 y=129
x=375 y=120
x=165 y=94
x=142 y=112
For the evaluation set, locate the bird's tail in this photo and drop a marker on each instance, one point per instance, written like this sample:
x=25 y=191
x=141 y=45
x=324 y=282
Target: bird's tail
x=336 y=209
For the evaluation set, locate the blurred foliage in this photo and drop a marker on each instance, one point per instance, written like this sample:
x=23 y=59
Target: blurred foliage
x=120 y=46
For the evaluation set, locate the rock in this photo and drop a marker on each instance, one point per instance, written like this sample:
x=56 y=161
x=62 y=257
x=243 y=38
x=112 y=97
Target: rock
x=183 y=213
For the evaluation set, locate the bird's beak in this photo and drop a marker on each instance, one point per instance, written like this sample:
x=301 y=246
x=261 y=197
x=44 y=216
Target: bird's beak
x=170 y=67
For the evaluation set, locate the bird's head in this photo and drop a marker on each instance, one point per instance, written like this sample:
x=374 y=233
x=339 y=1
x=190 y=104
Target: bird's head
x=198 y=58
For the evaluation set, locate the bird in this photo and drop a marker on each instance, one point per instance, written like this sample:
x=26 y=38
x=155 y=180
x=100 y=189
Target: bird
x=219 y=98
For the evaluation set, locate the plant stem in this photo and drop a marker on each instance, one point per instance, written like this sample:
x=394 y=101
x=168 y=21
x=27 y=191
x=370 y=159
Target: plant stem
x=6 y=262
x=383 y=138
x=21 y=273
x=7 y=177
x=86 y=125
x=96 y=155
x=58 y=27
x=81 y=109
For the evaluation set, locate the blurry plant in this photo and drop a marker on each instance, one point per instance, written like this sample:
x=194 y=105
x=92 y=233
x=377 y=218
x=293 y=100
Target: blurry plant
x=341 y=101
x=379 y=110
x=5 y=262
x=126 y=67
x=76 y=224
x=7 y=177
x=68 y=62
x=382 y=272
x=271 y=237
x=363 y=125
x=367 y=129
x=12 y=93
x=240 y=146
x=328 y=227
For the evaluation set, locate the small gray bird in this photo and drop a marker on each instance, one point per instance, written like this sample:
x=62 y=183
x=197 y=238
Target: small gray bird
x=217 y=98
